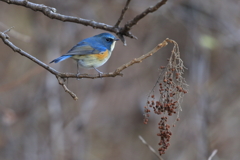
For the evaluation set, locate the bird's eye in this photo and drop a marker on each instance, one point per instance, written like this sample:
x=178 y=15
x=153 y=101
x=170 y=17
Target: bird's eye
x=109 y=39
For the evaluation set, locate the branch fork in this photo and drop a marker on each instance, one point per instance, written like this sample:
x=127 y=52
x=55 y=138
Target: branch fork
x=119 y=31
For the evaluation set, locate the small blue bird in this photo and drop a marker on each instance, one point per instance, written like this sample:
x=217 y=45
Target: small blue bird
x=91 y=52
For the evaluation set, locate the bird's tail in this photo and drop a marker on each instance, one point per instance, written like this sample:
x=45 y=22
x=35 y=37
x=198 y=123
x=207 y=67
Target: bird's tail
x=59 y=59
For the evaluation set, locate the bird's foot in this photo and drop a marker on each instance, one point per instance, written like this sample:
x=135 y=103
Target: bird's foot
x=78 y=74
x=99 y=72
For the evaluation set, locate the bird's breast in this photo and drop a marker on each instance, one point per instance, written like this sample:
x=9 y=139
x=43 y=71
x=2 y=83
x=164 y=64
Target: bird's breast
x=102 y=56
x=93 y=60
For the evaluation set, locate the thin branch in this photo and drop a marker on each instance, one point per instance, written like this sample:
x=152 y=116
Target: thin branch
x=117 y=72
x=119 y=21
x=52 y=13
x=120 y=31
x=5 y=38
x=150 y=147
x=8 y=30
x=141 y=58
x=16 y=34
x=123 y=12
x=135 y=20
x=213 y=154
x=60 y=81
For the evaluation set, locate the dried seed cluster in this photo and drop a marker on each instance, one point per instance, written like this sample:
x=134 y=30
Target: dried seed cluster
x=164 y=135
x=171 y=87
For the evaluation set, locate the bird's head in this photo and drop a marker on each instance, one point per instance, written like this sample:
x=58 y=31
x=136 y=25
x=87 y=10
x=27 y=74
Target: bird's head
x=107 y=39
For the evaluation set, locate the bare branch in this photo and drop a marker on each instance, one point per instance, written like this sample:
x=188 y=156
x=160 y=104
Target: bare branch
x=213 y=154
x=150 y=147
x=60 y=81
x=123 y=12
x=135 y=20
x=120 y=31
x=140 y=59
x=52 y=13
x=119 y=21
x=117 y=72
x=5 y=38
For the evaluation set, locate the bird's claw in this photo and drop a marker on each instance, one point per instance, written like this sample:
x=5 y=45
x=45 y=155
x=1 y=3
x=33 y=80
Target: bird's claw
x=78 y=74
x=100 y=74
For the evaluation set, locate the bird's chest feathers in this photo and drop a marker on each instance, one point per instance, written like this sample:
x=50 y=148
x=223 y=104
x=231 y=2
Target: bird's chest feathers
x=102 y=56
x=94 y=60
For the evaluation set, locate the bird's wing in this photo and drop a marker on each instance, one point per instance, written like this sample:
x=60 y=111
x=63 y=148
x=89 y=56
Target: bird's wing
x=84 y=48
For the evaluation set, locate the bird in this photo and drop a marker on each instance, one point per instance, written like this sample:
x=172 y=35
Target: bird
x=91 y=52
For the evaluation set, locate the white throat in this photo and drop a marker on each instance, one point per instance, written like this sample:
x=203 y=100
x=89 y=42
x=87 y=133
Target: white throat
x=112 y=46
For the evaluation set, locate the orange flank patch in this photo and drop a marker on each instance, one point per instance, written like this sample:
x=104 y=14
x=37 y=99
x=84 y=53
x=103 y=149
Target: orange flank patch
x=101 y=56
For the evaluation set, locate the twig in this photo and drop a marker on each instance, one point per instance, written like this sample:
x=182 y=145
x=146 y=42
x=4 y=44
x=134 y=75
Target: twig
x=141 y=58
x=123 y=12
x=213 y=154
x=119 y=21
x=135 y=20
x=60 y=81
x=150 y=147
x=16 y=34
x=8 y=30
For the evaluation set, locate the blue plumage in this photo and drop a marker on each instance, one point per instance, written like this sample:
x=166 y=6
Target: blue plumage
x=59 y=59
x=91 y=52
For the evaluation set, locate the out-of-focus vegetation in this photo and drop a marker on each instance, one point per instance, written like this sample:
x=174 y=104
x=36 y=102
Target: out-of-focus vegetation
x=39 y=121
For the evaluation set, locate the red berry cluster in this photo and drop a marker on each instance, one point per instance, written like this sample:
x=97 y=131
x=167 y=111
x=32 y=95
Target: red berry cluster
x=171 y=89
x=164 y=135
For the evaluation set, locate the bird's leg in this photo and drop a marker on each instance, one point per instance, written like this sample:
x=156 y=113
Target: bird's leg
x=78 y=72
x=100 y=73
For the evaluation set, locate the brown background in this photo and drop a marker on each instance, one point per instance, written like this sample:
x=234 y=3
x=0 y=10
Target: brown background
x=39 y=121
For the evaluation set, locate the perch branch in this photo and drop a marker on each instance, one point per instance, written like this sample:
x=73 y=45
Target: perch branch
x=117 y=72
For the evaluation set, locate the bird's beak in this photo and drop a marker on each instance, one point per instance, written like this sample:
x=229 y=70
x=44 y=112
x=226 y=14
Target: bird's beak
x=116 y=39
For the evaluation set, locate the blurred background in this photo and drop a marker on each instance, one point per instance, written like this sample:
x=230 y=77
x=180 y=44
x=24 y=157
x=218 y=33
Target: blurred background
x=39 y=121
